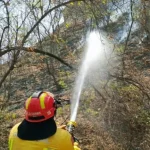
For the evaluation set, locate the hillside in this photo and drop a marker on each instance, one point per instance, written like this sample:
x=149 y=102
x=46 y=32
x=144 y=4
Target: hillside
x=45 y=54
x=130 y=98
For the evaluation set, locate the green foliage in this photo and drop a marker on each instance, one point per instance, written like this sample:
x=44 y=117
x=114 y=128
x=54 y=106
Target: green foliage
x=130 y=91
x=68 y=73
x=124 y=88
x=63 y=76
x=62 y=84
x=7 y=116
x=128 y=88
x=104 y=1
x=113 y=85
x=89 y=97
x=127 y=91
x=144 y=117
x=92 y=112
x=60 y=111
x=119 y=49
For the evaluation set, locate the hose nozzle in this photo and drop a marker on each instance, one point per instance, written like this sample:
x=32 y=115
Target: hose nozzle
x=71 y=126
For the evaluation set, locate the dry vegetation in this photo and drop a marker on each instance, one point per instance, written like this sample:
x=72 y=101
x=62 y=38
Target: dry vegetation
x=114 y=114
x=112 y=117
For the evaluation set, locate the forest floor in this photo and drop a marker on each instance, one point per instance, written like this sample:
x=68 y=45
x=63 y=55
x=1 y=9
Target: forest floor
x=88 y=131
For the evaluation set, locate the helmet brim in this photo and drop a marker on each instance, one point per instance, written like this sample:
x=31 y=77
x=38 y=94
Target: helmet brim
x=36 y=131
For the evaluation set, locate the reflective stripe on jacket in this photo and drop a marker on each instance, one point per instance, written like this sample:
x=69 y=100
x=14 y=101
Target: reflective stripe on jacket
x=61 y=140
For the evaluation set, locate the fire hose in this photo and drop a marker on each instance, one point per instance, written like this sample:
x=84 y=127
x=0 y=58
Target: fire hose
x=71 y=125
x=70 y=128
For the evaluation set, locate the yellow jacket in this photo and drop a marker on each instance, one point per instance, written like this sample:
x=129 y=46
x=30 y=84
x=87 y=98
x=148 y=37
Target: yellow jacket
x=61 y=140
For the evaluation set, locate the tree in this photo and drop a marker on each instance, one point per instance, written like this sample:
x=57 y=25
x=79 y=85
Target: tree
x=20 y=31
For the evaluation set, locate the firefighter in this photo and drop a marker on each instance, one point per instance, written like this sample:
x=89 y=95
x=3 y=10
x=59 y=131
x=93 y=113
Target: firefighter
x=38 y=131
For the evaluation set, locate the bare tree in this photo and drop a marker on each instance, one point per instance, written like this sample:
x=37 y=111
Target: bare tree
x=21 y=27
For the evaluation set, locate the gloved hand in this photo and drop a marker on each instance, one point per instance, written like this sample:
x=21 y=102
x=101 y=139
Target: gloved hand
x=76 y=146
x=62 y=127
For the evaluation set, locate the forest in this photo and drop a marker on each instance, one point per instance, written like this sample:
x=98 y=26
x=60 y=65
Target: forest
x=50 y=45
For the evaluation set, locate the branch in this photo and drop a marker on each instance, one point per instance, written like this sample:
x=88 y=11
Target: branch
x=15 y=102
x=135 y=83
x=2 y=36
x=10 y=68
x=29 y=49
x=126 y=43
x=3 y=52
x=99 y=93
x=48 y=54
x=131 y=7
x=8 y=23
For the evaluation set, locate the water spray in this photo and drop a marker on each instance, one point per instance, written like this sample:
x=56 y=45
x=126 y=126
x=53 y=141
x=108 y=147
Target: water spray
x=92 y=54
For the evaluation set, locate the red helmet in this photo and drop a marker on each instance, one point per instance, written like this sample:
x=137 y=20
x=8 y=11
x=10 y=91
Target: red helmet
x=39 y=107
